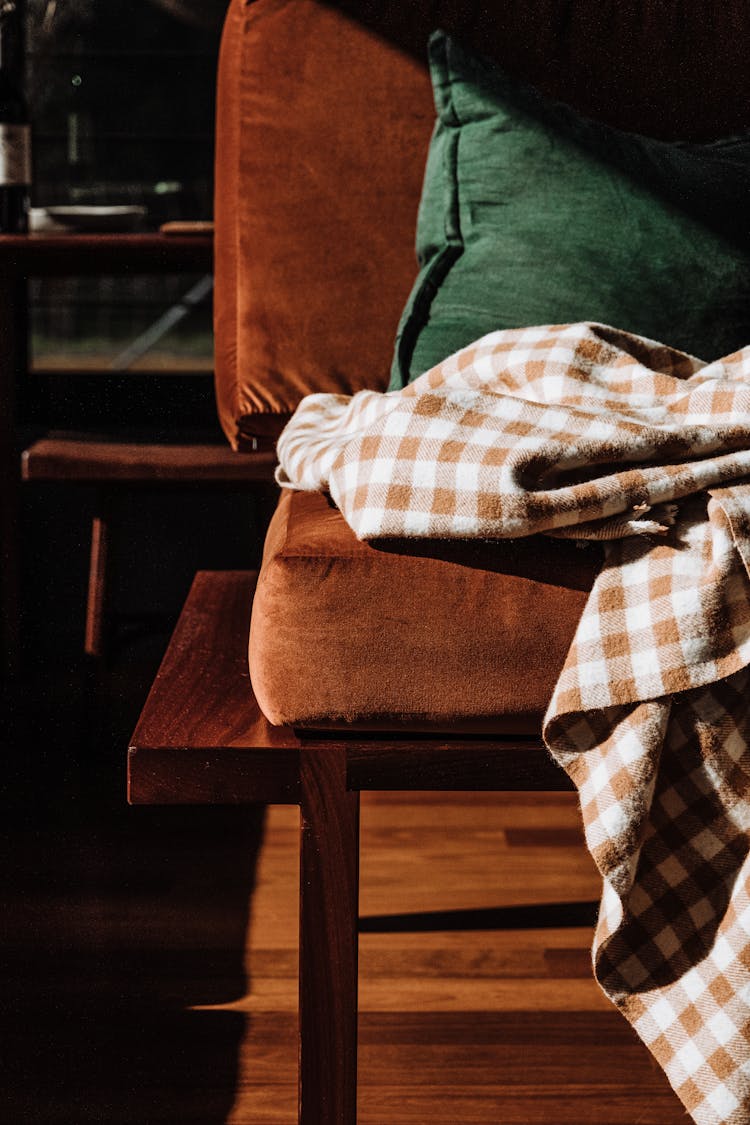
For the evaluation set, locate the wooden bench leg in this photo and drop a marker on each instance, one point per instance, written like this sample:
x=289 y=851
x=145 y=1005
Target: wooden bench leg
x=329 y=903
x=97 y=589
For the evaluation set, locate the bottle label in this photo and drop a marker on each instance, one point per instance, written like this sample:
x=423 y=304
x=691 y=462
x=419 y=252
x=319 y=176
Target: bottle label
x=15 y=154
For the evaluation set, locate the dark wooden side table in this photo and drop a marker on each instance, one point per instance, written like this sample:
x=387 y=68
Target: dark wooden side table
x=59 y=255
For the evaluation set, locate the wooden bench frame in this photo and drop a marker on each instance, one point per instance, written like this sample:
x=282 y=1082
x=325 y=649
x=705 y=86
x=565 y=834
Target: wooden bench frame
x=202 y=739
x=111 y=465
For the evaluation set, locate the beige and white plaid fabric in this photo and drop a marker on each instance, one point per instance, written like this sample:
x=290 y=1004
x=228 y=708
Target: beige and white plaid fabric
x=584 y=431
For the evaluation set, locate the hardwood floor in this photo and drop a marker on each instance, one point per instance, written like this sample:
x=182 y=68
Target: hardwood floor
x=481 y=1025
x=137 y=991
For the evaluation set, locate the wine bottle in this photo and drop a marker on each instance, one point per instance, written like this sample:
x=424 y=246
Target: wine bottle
x=80 y=148
x=15 y=132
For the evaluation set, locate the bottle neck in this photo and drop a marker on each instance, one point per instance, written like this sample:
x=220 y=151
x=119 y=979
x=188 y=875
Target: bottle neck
x=11 y=40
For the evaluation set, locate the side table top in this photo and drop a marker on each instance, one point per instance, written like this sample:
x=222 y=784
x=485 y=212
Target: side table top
x=27 y=255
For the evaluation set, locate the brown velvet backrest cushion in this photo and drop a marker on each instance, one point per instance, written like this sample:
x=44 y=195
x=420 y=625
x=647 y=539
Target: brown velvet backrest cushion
x=323 y=130
x=323 y=122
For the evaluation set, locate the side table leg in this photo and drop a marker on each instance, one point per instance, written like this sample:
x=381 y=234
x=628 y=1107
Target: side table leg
x=329 y=906
x=13 y=347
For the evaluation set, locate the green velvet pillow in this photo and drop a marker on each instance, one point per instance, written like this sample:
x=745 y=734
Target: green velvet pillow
x=531 y=214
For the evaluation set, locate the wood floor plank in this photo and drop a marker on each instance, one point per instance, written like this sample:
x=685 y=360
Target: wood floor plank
x=456 y=1027
x=140 y=987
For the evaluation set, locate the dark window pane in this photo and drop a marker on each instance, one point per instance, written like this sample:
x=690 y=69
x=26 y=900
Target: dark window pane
x=121 y=97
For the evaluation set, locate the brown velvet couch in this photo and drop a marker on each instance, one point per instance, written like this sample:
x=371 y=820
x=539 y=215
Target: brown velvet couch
x=324 y=117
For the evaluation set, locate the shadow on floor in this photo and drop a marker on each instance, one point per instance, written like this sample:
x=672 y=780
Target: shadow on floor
x=120 y=924
x=548 y=915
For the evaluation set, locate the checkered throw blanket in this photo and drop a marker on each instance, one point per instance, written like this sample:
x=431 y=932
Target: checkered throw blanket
x=588 y=432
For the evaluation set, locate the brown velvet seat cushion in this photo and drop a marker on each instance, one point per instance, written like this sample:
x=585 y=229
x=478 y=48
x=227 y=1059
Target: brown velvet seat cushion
x=467 y=636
